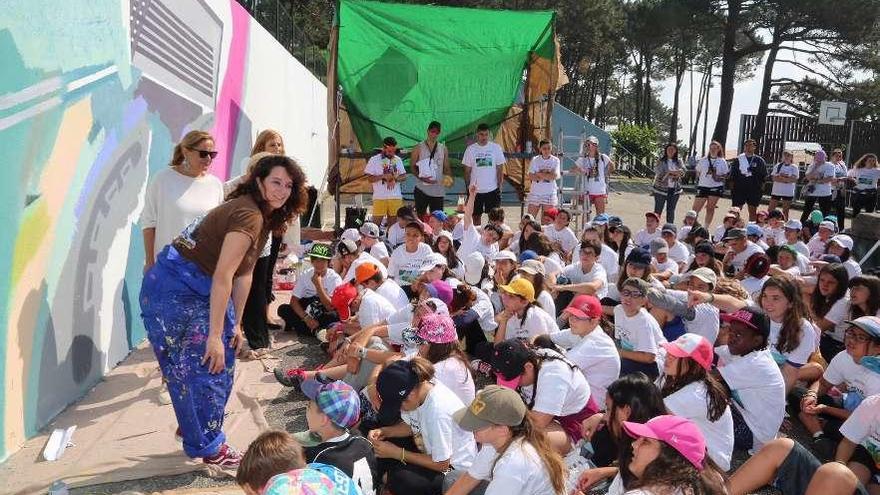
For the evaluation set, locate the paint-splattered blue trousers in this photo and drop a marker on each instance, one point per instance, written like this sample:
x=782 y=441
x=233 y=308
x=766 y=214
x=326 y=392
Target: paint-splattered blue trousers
x=175 y=308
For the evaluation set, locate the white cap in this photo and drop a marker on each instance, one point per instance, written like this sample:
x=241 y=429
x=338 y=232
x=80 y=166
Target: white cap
x=444 y=233
x=351 y=234
x=505 y=254
x=691 y=214
x=442 y=308
x=473 y=267
x=794 y=225
x=532 y=267
x=593 y=139
x=843 y=241
x=432 y=260
x=827 y=224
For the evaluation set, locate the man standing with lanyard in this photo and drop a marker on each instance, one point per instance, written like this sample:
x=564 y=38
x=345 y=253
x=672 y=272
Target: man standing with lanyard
x=748 y=173
x=484 y=167
x=431 y=167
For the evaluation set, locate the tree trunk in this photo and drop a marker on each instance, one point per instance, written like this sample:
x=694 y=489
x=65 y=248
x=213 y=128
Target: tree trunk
x=601 y=114
x=698 y=115
x=679 y=77
x=647 y=103
x=764 y=104
x=706 y=110
x=728 y=71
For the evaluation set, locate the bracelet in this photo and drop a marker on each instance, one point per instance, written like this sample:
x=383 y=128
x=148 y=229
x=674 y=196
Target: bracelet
x=711 y=298
x=403 y=455
x=362 y=352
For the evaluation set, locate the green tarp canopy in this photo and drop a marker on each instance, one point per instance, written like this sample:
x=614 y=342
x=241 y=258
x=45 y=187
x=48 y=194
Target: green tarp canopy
x=401 y=66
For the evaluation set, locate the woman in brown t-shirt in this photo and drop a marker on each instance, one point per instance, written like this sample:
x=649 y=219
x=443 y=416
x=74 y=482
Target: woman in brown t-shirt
x=193 y=325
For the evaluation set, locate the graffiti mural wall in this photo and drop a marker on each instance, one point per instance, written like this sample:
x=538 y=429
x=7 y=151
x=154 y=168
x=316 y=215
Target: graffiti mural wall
x=94 y=95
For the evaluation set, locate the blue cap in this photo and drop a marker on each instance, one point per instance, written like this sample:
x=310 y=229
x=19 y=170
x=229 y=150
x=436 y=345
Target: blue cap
x=601 y=219
x=615 y=220
x=754 y=230
x=440 y=215
x=639 y=256
x=830 y=258
x=528 y=254
x=870 y=324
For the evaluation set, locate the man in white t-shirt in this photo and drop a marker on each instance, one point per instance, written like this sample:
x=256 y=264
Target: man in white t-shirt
x=651 y=231
x=373 y=307
x=370 y=242
x=484 y=167
x=636 y=332
x=860 y=446
x=678 y=252
x=608 y=258
x=385 y=171
x=310 y=307
x=739 y=249
x=785 y=175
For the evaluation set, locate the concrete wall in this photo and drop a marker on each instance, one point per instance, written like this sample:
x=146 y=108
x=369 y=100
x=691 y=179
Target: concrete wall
x=93 y=96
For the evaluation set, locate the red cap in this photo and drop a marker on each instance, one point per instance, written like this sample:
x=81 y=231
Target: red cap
x=652 y=215
x=584 y=306
x=551 y=212
x=691 y=345
x=342 y=298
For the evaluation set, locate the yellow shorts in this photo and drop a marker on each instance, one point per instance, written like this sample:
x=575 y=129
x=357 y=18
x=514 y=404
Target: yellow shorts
x=386 y=207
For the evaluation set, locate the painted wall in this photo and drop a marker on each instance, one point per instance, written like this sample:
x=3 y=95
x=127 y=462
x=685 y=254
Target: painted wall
x=93 y=96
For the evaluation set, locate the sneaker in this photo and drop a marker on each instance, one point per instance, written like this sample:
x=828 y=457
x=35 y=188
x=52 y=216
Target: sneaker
x=164 y=396
x=482 y=367
x=178 y=435
x=226 y=457
x=292 y=377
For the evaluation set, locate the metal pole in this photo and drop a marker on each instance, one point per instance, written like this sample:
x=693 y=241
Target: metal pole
x=852 y=126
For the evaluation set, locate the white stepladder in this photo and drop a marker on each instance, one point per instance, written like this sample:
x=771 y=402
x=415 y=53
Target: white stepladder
x=573 y=196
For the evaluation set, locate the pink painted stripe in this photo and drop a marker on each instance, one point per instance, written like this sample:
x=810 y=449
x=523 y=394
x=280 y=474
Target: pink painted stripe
x=229 y=103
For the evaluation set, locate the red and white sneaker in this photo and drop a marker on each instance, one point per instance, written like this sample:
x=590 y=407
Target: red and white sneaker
x=482 y=367
x=292 y=377
x=226 y=458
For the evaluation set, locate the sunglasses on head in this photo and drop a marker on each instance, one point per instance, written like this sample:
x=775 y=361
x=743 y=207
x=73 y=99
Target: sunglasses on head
x=205 y=153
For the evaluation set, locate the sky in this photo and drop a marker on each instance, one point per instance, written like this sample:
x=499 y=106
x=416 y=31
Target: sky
x=745 y=101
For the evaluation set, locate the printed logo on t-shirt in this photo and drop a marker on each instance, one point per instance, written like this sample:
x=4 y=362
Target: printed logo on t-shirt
x=187 y=237
x=484 y=160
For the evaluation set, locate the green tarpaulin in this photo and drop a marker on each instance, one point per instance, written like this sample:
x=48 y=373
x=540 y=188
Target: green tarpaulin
x=401 y=66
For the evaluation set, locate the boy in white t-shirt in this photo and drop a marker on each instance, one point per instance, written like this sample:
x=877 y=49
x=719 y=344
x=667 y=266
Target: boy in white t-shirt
x=664 y=268
x=407 y=259
x=484 y=167
x=651 y=231
x=544 y=170
x=370 y=242
x=385 y=171
x=561 y=235
x=483 y=241
x=636 y=332
x=310 y=306
x=860 y=447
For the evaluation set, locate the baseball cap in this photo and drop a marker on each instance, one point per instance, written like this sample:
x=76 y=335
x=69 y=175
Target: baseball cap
x=307 y=481
x=638 y=283
x=593 y=139
x=351 y=234
x=735 y=234
x=440 y=215
x=659 y=246
x=445 y=233
x=830 y=258
x=393 y=384
x=691 y=345
x=679 y=433
x=364 y=271
x=473 y=267
x=615 y=220
x=505 y=254
x=816 y=217
x=441 y=290
x=757 y=265
x=789 y=249
x=753 y=318
x=346 y=246
x=584 y=306
x=526 y=255
x=776 y=213
x=551 y=212
x=528 y=217
x=704 y=274
x=432 y=260
x=705 y=247
x=341 y=300
x=590 y=226
x=601 y=219
x=337 y=399
x=690 y=214
x=736 y=210
x=321 y=251
x=701 y=232
x=827 y=224
x=669 y=227
x=493 y=405
x=370 y=229
x=440 y=307
x=520 y=287
x=794 y=225
x=509 y=361
x=870 y=324
x=732 y=216
x=843 y=241
x=754 y=230
x=639 y=256
x=652 y=215
x=437 y=329
x=762 y=213
x=532 y=267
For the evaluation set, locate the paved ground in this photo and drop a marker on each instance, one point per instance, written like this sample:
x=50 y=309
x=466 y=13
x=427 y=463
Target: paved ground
x=287 y=411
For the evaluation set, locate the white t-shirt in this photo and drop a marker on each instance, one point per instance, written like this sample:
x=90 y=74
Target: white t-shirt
x=537 y=322
x=596 y=356
x=643 y=237
x=691 y=402
x=381 y=165
x=379 y=251
x=784 y=170
x=544 y=190
x=306 y=288
x=485 y=311
x=174 y=201
x=753 y=285
x=801 y=354
x=443 y=438
x=396 y=234
x=565 y=237
x=374 y=308
x=706 y=179
x=802 y=249
x=739 y=259
x=575 y=274
x=561 y=390
x=825 y=171
x=552 y=265
x=404 y=267
x=457 y=378
x=863 y=427
x=817 y=247
x=669 y=265
x=393 y=293
x=679 y=253
x=608 y=259
x=777 y=234
x=858 y=379
x=757 y=390
x=706 y=317
x=594 y=177
x=683 y=232
x=360 y=260
x=839 y=312
x=639 y=333
x=520 y=471
x=472 y=240
x=545 y=300
x=866 y=178
x=484 y=161
x=853 y=269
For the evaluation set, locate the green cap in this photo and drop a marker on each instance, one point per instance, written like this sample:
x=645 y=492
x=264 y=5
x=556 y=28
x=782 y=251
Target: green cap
x=322 y=251
x=638 y=283
x=494 y=405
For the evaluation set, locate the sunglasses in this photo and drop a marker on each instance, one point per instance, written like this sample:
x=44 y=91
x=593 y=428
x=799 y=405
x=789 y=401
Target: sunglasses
x=632 y=293
x=857 y=337
x=205 y=153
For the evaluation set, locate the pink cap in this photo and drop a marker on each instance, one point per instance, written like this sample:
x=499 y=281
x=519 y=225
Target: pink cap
x=437 y=329
x=504 y=382
x=584 y=306
x=679 y=433
x=693 y=346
